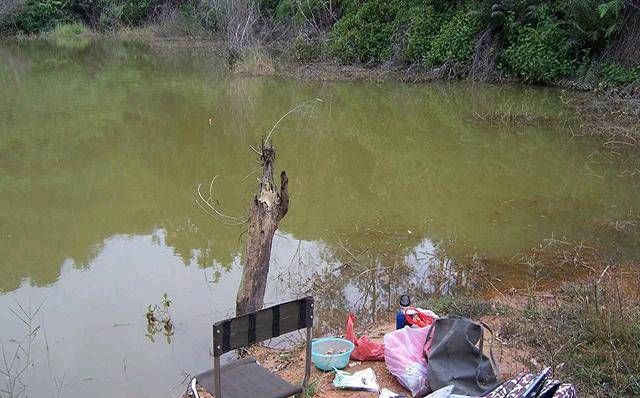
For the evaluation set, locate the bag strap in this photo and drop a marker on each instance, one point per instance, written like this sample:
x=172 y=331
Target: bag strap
x=428 y=341
x=494 y=363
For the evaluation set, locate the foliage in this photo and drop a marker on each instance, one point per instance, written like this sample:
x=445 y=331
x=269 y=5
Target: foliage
x=614 y=74
x=305 y=50
x=110 y=16
x=283 y=11
x=590 y=23
x=536 y=40
x=307 y=10
x=364 y=33
x=70 y=30
x=538 y=51
x=159 y=319
x=134 y=11
x=192 y=18
x=296 y=12
x=39 y=15
x=455 y=41
x=424 y=25
x=8 y=10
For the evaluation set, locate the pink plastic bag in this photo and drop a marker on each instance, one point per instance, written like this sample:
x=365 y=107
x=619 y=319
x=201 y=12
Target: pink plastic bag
x=404 y=357
x=366 y=350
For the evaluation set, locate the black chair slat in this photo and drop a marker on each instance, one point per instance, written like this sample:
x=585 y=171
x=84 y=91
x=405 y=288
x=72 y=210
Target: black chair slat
x=275 y=323
x=261 y=325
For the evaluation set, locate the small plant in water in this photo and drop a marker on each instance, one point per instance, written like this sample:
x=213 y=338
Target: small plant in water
x=159 y=319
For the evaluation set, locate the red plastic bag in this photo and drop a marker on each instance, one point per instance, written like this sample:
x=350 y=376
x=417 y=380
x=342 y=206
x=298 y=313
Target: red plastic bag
x=366 y=350
x=419 y=317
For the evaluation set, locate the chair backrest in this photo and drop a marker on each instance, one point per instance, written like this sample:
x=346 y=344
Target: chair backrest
x=262 y=325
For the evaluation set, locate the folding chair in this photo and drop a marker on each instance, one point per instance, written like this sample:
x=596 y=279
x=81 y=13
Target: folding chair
x=245 y=378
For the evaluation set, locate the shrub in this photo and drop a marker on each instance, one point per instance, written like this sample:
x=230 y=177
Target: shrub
x=8 y=10
x=297 y=11
x=134 y=12
x=39 y=15
x=591 y=23
x=364 y=33
x=192 y=18
x=283 y=11
x=305 y=50
x=307 y=10
x=614 y=74
x=107 y=14
x=110 y=16
x=538 y=52
x=424 y=24
x=455 y=40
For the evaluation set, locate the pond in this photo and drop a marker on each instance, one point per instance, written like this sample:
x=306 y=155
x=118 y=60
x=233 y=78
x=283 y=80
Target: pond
x=102 y=146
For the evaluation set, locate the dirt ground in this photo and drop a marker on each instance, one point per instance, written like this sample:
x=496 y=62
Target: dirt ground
x=289 y=364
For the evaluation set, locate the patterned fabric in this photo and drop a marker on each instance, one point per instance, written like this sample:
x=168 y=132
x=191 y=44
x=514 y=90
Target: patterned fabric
x=515 y=387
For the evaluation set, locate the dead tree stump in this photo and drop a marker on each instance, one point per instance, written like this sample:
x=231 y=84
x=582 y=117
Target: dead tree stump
x=269 y=206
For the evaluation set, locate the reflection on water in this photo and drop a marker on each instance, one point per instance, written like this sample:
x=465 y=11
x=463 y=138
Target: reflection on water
x=393 y=187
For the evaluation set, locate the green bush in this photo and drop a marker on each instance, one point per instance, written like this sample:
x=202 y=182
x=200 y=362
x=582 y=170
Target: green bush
x=134 y=12
x=455 y=40
x=590 y=23
x=307 y=10
x=110 y=16
x=268 y=7
x=8 y=12
x=537 y=52
x=283 y=11
x=365 y=33
x=39 y=15
x=196 y=18
x=107 y=14
x=296 y=12
x=304 y=50
x=86 y=10
x=426 y=31
x=614 y=74
x=424 y=25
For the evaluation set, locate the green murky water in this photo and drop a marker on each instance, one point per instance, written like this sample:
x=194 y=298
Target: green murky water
x=102 y=146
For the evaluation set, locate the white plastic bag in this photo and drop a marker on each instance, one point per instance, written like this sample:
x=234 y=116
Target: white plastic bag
x=362 y=380
x=390 y=394
x=404 y=357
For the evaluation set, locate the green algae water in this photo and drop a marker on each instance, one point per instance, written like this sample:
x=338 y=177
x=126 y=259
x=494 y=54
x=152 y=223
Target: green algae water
x=102 y=146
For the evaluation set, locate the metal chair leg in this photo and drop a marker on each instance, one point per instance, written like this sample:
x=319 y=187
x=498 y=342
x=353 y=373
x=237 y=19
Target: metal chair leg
x=216 y=380
x=307 y=364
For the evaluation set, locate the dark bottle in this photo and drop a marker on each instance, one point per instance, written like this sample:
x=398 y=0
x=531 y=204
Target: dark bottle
x=405 y=302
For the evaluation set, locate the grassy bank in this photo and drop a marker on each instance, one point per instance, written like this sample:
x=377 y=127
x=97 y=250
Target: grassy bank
x=588 y=331
x=583 y=43
x=587 y=328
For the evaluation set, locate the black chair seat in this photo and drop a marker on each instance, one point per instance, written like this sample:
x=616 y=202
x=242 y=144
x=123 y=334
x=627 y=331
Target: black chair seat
x=245 y=378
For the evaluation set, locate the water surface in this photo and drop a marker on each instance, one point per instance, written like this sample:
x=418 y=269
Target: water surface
x=102 y=145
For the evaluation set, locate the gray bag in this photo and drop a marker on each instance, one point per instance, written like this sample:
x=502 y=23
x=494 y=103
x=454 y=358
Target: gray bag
x=455 y=356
